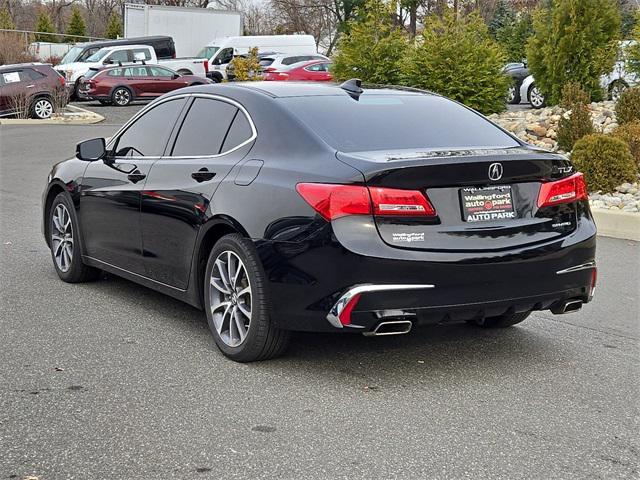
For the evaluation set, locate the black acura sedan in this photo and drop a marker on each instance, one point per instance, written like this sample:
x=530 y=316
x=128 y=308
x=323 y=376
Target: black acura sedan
x=279 y=206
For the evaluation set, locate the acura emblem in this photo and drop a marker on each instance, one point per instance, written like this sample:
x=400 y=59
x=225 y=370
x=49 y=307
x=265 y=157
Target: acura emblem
x=495 y=171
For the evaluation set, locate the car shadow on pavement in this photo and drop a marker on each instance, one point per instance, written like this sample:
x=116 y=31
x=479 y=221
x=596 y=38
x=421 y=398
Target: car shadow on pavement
x=433 y=350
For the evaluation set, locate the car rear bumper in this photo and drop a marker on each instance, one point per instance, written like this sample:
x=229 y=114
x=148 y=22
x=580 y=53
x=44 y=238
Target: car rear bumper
x=308 y=281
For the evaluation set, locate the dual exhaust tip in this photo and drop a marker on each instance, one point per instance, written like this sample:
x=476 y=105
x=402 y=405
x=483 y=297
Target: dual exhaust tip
x=568 y=306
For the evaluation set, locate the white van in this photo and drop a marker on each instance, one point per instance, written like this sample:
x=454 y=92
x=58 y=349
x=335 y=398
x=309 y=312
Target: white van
x=221 y=50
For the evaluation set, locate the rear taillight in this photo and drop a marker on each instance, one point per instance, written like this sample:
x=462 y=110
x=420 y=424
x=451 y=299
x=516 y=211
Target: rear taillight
x=594 y=279
x=567 y=190
x=389 y=201
x=61 y=80
x=206 y=66
x=335 y=201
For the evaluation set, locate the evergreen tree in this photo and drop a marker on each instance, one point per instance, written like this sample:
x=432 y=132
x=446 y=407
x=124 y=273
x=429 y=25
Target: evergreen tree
x=633 y=51
x=44 y=24
x=513 y=37
x=573 y=41
x=5 y=20
x=372 y=48
x=503 y=16
x=457 y=57
x=76 y=28
x=114 y=26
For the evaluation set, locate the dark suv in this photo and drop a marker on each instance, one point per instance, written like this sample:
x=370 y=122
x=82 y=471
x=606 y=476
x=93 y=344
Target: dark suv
x=28 y=86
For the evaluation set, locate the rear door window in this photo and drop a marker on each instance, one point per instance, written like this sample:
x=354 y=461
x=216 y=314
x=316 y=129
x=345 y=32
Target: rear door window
x=119 y=56
x=239 y=132
x=160 y=72
x=141 y=54
x=204 y=129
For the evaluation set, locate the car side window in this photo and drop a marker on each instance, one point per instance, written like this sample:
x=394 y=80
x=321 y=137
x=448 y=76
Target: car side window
x=118 y=56
x=34 y=75
x=315 y=68
x=115 y=72
x=87 y=53
x=289 y=60
x=160 y=72
x=9 y=78
x=141 y=54
x=239 y=132
x=135 y=72
x=225 y=56
x=147 y=136
x=204 y=129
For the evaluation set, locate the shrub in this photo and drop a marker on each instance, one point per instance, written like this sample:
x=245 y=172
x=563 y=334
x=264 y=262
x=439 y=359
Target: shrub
x=457 y=58
x=574 y=94
x=573 y=40
x=247 y=68
x=630 y=133
x=13 y=49
x=628 y=106
x=373 y=46
x=605 y=161
x=6 y=21
x=573 y=126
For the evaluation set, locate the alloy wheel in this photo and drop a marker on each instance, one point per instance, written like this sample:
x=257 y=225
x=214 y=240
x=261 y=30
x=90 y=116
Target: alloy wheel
x=43 y=108
x=536 y=98
x=62 y=238
x=230 y=298
x=122 y=96
x=511 y=94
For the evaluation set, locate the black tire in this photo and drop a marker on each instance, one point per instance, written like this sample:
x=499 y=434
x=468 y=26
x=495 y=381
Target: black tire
x=616 y=88
x=263 y=340
x=77 y=271
x=105 y=102
x=121 y=97
x=41 y=108
x=535 y=97
x=216 y=77
x=503 y=321
x=513 y=96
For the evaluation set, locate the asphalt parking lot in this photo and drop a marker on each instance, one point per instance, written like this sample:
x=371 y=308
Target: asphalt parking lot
x=109 y=380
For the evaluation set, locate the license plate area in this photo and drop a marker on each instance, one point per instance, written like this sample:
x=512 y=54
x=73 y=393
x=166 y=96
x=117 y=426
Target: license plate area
x=486 y=204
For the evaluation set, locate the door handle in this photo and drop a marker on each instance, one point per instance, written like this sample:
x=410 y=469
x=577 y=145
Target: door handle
x=203 y=175
x=135 y=177
x=30 y=86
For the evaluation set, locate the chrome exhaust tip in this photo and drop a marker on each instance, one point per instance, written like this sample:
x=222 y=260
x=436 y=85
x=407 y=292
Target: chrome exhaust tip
x=393 y=327
x=569 y=306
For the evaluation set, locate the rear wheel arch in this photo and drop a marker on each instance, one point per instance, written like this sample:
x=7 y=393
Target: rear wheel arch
x=184 y=71
x=212 y=231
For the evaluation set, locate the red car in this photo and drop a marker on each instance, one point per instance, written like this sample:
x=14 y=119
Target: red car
x=314 y=71
x=122 y=85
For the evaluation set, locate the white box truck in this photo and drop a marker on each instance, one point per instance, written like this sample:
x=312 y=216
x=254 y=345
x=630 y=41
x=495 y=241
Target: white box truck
x=191 y=28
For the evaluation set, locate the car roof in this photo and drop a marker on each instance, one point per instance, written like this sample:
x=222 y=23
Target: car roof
x=123 y=41
x=23 y=65
x=299 y=89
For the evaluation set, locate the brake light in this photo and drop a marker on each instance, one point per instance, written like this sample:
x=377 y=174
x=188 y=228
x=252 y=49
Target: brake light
x=206 y=66
x=335 y=201
x=567 y=190
x=389 y=201
x=61 y=80
x=594 y=279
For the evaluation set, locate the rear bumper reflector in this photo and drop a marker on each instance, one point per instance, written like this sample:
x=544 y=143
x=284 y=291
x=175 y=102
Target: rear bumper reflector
x=340 y=314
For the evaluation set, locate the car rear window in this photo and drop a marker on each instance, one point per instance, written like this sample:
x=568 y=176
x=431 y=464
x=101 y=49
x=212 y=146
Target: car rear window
x=394 y=122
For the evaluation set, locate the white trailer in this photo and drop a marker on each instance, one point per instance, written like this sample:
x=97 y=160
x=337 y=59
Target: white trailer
x=191 y=28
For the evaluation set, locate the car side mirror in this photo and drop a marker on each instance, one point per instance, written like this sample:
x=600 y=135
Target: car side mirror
x=91 y=150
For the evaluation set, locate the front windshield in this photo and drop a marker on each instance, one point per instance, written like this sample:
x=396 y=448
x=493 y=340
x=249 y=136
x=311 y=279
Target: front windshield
x=71 y=55
x=99 y=55
x=207 y=52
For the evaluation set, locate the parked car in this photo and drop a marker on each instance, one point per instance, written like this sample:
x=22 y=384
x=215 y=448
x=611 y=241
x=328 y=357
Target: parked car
x=122 y=85
x=231 y=71
x=518 y=71
x=314 y=71
x=221 y=51
x=162 y=45
x=28 y=85
x=278 y=206
x=272 y=63
x=74 y=72
x=613 y=83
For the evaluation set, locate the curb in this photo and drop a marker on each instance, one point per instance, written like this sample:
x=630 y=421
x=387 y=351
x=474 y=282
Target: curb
x=624 y=225
x=89 y=119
